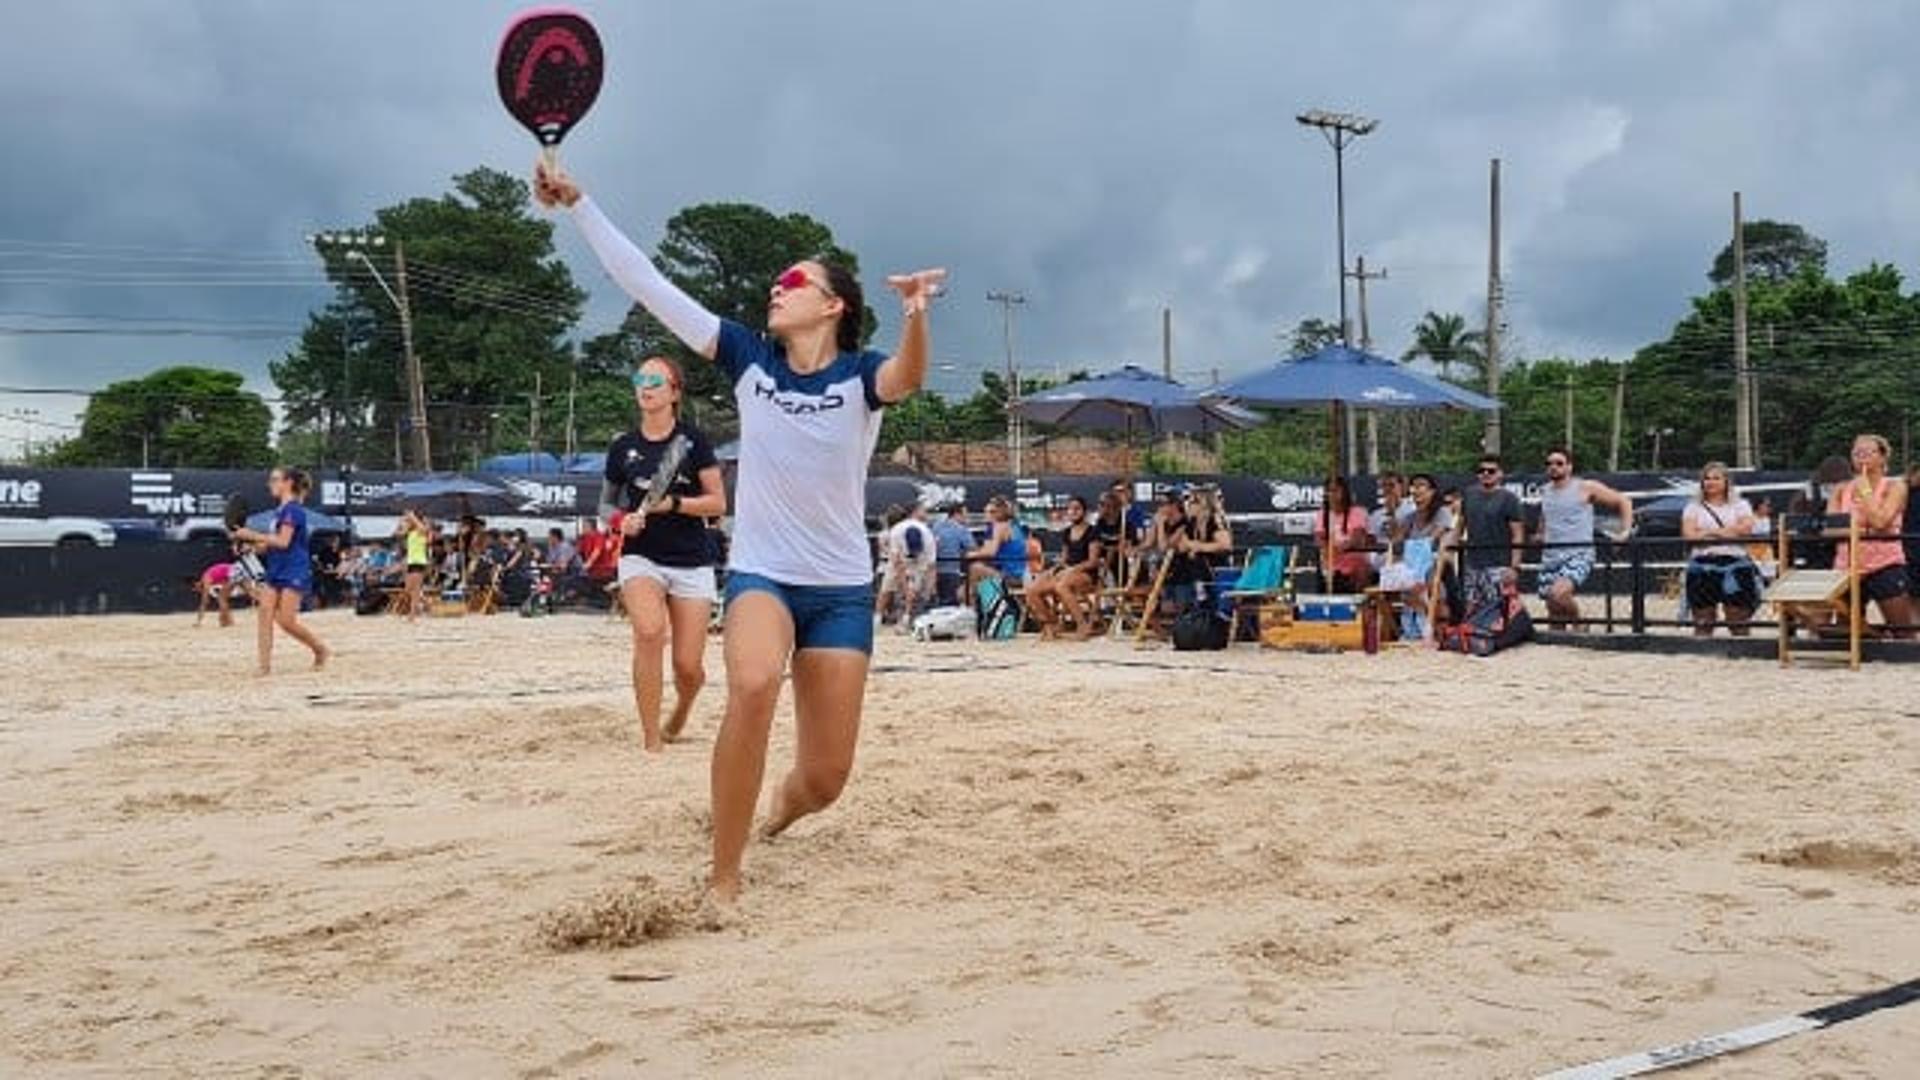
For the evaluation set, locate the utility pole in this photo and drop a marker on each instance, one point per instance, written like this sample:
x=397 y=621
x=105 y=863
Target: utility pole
x=573 y=386
x=1015 y=428
x=355 y=244
x=1166 y=342
x=416 y=385
x=1619 y=414
x=1362 y=275
x=1492 y=438
x=1742 y=378
x=533 y=422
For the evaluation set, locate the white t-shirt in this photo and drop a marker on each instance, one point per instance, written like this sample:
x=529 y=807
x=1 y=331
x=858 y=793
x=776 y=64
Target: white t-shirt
x=805 y=441
x=1703 y=519
x=915 y=553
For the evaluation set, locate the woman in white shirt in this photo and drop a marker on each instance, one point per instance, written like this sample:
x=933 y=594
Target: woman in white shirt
x=1720 y=575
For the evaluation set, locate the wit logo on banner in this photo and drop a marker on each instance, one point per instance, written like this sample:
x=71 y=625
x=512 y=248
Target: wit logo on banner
x=153 y=492
x=20 y=494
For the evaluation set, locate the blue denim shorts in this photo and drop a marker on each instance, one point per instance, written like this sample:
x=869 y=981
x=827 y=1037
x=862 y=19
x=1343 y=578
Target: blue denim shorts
x=824 y=616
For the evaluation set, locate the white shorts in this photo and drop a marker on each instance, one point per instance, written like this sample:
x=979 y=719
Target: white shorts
x=919 y=578
x=681 y=582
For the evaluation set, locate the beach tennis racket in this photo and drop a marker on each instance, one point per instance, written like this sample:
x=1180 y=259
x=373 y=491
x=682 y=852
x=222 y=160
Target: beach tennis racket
x=671 y=459
x=549 y=72
x=237 y=512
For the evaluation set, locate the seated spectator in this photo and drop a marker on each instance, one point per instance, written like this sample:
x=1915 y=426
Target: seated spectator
x=599 y=554
x=1877 y=502
x=1207 y=544
x=1388 y=521
x=1004 y=554
x=952 y=539
x=1408 y=569
x=560 y=555
x=1161 y=543
x=1350 y=540
x=1068 y=589
x=1720 y=576
x=1110 y=529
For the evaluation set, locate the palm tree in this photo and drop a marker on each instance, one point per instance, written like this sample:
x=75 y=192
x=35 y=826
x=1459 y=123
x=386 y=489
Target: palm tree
x=1445 y=340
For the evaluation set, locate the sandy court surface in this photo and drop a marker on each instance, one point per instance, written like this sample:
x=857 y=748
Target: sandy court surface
x=1054 y=860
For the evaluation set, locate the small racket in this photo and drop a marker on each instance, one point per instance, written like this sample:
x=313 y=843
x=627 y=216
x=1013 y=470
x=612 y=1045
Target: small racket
x=663 y=474
x=237 y=511
x=549 y=71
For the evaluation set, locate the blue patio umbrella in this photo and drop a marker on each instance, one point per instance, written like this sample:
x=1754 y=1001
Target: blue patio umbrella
x=1341 y=376
x=1338 y=375
x=1134 y=399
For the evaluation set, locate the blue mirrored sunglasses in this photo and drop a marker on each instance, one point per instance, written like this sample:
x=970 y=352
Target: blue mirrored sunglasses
x=649 y=380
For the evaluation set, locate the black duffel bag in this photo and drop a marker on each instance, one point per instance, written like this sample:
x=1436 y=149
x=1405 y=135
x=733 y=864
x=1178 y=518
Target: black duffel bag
x=1199 y=629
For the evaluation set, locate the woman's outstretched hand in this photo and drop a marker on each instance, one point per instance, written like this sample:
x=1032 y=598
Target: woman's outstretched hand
x=552 y=186
x=917 y=289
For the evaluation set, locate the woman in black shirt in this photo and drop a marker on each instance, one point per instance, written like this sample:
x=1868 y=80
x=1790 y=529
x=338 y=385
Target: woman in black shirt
x=666 y=562
x=1066 y=590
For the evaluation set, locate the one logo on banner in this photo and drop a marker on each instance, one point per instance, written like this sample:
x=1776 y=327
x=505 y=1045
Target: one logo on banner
x=20 y=494
x=535 y=496
x=1287 y=495
x=941 y=495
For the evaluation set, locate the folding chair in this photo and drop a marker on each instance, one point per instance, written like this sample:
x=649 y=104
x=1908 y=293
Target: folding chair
x=1123 y=598
x=1812 y=597
x=1262 y=581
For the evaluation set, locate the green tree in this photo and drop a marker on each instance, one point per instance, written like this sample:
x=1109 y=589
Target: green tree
x=177 y=417
x=1312 y=335
x=1446 y=341
x=1775 y=252
x=491 y=305
x=726 y=256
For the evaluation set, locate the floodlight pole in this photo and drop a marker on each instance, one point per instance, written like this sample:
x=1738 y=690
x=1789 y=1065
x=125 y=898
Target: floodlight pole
x=1340 y=129
x=354 y=244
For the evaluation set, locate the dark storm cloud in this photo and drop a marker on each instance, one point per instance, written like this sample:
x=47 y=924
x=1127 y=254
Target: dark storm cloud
x=1105 y=159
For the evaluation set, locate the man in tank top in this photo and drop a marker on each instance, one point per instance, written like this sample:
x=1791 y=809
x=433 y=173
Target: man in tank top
x=1566 y=530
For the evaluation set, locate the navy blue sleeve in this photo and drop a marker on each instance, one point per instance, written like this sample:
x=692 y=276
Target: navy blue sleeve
x=736 y=349
x=870 y=364
x=615 y=471
x=700 y=456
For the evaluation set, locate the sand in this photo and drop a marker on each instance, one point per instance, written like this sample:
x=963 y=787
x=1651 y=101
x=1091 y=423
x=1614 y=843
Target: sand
x=447 y=856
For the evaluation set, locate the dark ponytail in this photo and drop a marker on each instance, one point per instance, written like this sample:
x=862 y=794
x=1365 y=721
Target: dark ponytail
x=298 y=479
x=853 y=319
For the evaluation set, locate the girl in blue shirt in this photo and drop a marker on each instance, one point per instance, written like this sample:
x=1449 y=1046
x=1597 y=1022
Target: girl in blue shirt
x=289 y=567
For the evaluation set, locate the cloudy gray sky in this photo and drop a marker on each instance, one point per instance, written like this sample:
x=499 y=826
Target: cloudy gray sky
x=1103 y=158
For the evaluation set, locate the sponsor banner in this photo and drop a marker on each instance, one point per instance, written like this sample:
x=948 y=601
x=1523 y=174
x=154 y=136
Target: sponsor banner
x=175 y=495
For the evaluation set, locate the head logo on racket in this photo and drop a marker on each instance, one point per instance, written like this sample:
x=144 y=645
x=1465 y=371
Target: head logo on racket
x=549 y=71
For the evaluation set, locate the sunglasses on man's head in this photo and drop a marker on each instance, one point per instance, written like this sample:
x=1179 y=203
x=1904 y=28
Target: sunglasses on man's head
x=1556 y=463
x=1486 y=470
x=796 y=279
x=649 y=380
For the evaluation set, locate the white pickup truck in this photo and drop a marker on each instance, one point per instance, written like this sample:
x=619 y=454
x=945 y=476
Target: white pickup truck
x=55 y=532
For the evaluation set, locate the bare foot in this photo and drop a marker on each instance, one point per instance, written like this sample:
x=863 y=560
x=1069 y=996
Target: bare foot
x=655 y=746
x=677 y=723
x=321 y=656
x=719 y=907
x=779 y=816
x=261 y=673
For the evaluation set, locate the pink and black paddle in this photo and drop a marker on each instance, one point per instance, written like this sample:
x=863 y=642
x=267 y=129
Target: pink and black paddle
x=549 y=71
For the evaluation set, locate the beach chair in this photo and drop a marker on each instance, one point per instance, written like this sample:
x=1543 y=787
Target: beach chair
x=1123 y=600
x=1815 y=598
x=1149 y=616
x=1262 y=581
